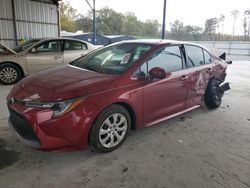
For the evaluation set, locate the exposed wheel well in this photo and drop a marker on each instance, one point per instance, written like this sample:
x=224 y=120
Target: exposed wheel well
x=21 y=69
x=131 y=113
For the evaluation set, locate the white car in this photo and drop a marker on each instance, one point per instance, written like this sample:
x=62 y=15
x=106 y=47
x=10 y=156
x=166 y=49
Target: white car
x=39 y=54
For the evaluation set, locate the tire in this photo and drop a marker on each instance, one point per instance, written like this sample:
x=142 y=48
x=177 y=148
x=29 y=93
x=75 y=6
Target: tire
x=9 y=74
x=213 y=95
x=104 y=130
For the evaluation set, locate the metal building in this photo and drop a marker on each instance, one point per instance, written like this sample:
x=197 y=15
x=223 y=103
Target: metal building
x=100 y=39
x=21 y=19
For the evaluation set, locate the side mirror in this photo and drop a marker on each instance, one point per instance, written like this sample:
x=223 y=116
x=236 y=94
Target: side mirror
x=223 y=56
x=33 y=50
x=229 y=62
x=157 y=72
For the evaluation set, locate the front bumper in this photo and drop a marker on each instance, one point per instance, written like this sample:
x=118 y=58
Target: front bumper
x=37 y=128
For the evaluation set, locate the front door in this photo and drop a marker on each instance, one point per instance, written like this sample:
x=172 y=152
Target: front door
x=44 y=56
x=164 y=97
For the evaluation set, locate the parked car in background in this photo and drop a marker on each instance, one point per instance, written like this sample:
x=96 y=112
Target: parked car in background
x=97 y=99
x=38 y=54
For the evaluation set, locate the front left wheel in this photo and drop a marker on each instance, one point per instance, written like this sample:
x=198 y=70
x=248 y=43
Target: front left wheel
x=110 y=129
x=9 y=74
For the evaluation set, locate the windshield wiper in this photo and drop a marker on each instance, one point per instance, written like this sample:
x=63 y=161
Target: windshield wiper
x=90 y=67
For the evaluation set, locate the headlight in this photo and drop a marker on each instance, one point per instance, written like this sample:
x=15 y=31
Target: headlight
x=60 y=108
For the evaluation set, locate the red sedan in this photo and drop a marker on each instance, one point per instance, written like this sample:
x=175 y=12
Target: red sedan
x=96 y=100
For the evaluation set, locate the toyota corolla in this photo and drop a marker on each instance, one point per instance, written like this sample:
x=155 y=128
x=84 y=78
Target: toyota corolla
x=97 y=99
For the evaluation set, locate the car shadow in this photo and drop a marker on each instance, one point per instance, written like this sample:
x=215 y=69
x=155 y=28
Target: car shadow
x=21 y=155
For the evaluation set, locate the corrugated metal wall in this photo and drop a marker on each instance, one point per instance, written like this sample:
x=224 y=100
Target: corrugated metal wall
x=6 y=24
x=33 y=20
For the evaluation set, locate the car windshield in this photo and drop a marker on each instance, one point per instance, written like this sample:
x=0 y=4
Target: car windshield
x=115 y=59
x=25 y=45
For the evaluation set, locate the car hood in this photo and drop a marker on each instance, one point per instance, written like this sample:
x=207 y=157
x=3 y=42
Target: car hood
x=7 y=49
x=60 y=83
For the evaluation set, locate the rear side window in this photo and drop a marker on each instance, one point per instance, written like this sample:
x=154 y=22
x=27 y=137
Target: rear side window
x=207 y=57
x=74 y=45
x=194 y=56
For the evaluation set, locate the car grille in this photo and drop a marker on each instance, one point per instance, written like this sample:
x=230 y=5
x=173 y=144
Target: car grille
x=22 y=127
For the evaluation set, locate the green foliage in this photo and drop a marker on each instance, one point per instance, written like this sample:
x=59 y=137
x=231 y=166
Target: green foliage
x=180 y=32
x=110 y=22
x=68 y=16
x=132 y=26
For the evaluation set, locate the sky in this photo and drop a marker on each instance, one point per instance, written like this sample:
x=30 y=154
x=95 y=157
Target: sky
x=191 y=12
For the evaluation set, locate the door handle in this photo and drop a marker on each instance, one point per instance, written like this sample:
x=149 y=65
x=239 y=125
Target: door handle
x=184 y=77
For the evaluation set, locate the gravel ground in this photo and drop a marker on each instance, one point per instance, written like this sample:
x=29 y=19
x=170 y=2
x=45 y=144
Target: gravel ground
x=202 y=148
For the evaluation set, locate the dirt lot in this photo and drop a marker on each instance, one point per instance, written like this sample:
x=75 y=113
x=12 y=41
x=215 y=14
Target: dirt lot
x=202 y=148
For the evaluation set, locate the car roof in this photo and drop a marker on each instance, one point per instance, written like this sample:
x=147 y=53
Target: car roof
x=158 y=41
x=59 y=38
x=162 y=41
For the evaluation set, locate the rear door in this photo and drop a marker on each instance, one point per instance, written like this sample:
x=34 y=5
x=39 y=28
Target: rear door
x=166 y=96
x=45 y=55
x=199 y=71
x=73 y=50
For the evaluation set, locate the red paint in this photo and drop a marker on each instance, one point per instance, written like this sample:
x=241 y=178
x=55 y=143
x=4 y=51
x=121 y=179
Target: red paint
x=150 y=101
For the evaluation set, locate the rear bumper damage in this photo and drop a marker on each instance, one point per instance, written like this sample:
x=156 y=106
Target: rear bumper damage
x=224 y=87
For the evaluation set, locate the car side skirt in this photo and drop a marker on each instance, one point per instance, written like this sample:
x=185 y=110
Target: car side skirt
x=173 y=115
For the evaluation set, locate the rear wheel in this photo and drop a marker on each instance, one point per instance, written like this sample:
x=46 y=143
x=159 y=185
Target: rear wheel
x=213 y=95
x=110 y=129
x=9 y=74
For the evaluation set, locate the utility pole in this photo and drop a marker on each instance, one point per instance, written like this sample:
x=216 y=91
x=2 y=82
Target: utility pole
x=94 y=20
x=164 y=20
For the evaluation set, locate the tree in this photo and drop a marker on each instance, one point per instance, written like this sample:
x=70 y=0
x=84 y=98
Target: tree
x=210 y=26
x=193 y=32
x=150 y=28
x=177 y=29
x=221 y=20
x=245 y=27
x=247 y=22
x=235 y=14
x=132 y=26
x=109 y=21
x=84 y=23
x=68 y=16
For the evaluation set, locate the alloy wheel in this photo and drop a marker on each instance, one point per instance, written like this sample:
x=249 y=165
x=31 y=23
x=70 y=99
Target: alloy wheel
x=8 y=74
x=113 y=130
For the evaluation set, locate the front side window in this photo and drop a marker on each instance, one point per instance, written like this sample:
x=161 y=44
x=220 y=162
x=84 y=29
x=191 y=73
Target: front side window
x=194 y=56
x=114 y=59
x=50 y=46
x=168 y=58
x=74 y=45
